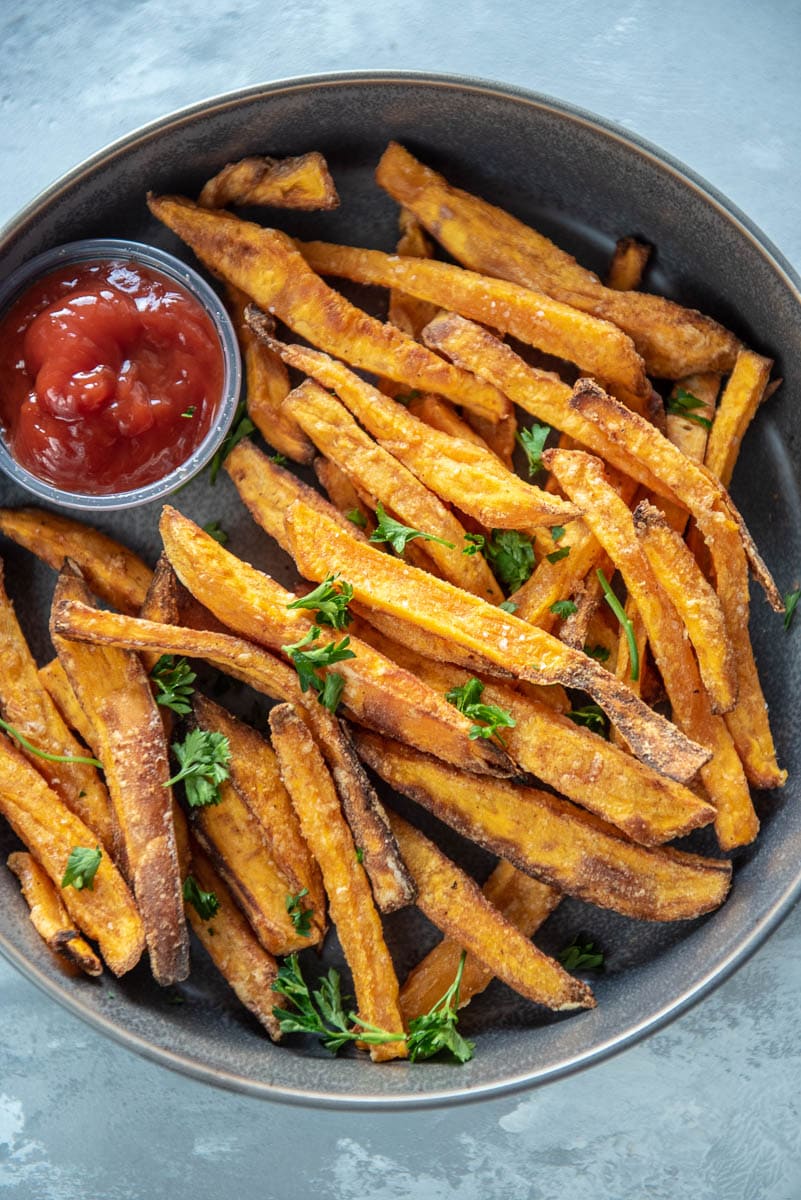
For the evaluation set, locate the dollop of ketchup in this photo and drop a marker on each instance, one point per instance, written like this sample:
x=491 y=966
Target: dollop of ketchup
x=111 y=375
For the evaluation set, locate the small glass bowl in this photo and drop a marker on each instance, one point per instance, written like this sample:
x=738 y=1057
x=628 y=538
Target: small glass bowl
x=123 y=250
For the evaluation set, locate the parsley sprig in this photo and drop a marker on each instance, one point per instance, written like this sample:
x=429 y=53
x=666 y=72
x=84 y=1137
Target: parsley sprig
x=684 y=403
x=215 y=530
x=790 y=605
x=564 y=608
x=467 y=699
x=299 y=915
x=511 y=556
x=398 y=536
x=533 y=442
x=241 y=427
x=205 y=904
x=597 y=651
x=582 y=952
x=436 y=1030
x=357 y=518
x=592 y=716
x=309 y=659
x=330 y=599
x=628 y=628
x=82 y=867
x=59 y=758
x=174 y=680
x=204 y=758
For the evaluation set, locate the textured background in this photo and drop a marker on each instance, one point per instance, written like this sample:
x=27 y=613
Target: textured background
x=708 y=1107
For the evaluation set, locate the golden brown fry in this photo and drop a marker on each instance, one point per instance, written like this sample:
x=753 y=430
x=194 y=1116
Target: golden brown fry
x=553 y=840
x=353 y=912
x=500 y=435
x=267 y=383
x=265 y=264
x=454 y=469
x=162 y=605
x=674 y=341
x=411 y=315
x=555 y=328
x=587 y=596
x=741 y=398
x=236 y=953
x=106 y=913
x=628 y=264
x=128 y=734
x=113 y=572
x=49 y=917
x=523 y=901
x=343 y=494
x=54 y=679
x=336 y=434
x=441 y=415
x=399 y=590
x=27 y=706
x=376 y=693
x=582 y=476
x=302 y=182
x=455 y=904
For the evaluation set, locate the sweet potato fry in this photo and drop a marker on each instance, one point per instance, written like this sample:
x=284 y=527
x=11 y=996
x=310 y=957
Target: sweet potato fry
x=691 y=435
x=404 y=592
x=230 y=943
x=106 y=913
x=27 y=706
x=674 y=341
x=628 y=264
x=455 y=904
x=303 y=182
x=523 y=901
x=461 y=473
x=343 y=494
x=128 y=734
x=336 y=434
x=49 y=917
x=350 y=901
x=59 y=688
x=593 y=345
x=552 y=840
x=265 y=264
x=409 y=314
x=112 y=571
x=438 y=414
x=741 y=398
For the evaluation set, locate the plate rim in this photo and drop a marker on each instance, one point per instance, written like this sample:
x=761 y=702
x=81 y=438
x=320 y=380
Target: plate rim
x=782 y=905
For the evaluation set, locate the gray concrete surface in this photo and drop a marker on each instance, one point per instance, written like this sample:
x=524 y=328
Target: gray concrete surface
x=707 y=1108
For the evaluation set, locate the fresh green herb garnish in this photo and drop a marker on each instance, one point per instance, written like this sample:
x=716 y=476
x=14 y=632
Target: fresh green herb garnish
x=213 y=529
x=279 y=459
x=591 y=715
x=205 y=904
x=601 y=653
x=557 y=532
x=581 y=953
x=331 y=694
x=533 y=442
x=683 y=404
x=308 y=660
x=511 y=556
x=298 y=915
x=628 y=628
x=508 y=606
x=241 y=427
x=405 y=398
x=564 y=608
x=473 y=543
x=189 y=412
x=436 y=1030
x=330 y=599
x=204 y=758
x=467 y=699
x=174 y=680
x=359 y=854
x=398 y=536
x=82 y=867
x=357 y=518
x=790 y=605
x=556 y=555
x=62 y=758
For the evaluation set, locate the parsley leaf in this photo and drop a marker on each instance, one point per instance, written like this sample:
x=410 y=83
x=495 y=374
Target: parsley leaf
x=564 y=608
x=683 y=404
x=212 y=528
x=398 y=536
x=591 y=715
x=357 y=518
x=241 y=427
x=189 y=412
x=331 y=694
x=63 y=758
x=601 y=653
x=205 y=904
x=279 y=459
x=298 y=915
x=628 y=628
x=467 y=699
x=557 y=532
x=204 y=758
x=581 y=953
x=330 y=598
x=308 y=661
x=174 y=680
x=82 y=867
x=533 y=442
x=359 y=854
x=509 y=606
x=556 y=555
x=511 y=556
x=790 y=605
x=473 y=543
x=436 y=1030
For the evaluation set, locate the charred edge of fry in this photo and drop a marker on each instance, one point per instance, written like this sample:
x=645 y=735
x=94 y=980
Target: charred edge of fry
x=48 y=915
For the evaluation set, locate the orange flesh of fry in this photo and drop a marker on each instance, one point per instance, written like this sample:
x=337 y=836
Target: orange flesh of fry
x=48 y=915
x=302 y=182
x=741 y=398
x=628 y=265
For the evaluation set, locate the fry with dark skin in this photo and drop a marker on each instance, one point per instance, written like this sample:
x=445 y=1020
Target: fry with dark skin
x=49 y=917
x=303 y=182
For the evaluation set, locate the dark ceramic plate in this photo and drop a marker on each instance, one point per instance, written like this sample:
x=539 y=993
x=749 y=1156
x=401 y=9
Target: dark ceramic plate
x=586 y=183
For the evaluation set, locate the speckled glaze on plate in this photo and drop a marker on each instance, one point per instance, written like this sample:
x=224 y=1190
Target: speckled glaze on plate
x=586 y=183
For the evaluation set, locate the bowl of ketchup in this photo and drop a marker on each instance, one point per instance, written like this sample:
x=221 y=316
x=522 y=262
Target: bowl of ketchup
x=119 y=374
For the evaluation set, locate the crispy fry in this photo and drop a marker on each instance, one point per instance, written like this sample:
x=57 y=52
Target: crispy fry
x=353 y=912
x=454 y=469
x=691 y=436
x=336 y=434
x=441 y=415
x=741 y=398
x=552 y=840
x=128 y=734
x=402 y=591
x=26 y=704
x=342 y=493
x=408 y=313
x=302 y=182
x=427 y=644
x=628 y=264
x=236 y=953
x=49 y=917
x=455 y=904
x=112 y=571
x=523 y=901
x=106 y=913
x=162 y=605
x=54 y=679
x=555 y=328
x=265 y=264
x=582 y=476
x=674 y=341
x=500 y=435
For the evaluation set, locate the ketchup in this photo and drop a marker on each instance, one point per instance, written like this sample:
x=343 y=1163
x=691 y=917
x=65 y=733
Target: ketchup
x=111 y=375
